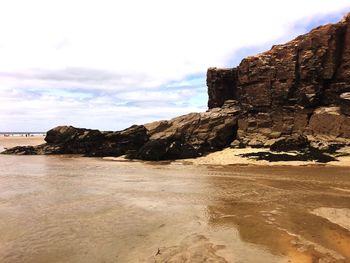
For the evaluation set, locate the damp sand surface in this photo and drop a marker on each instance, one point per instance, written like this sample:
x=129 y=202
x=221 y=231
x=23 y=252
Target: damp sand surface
x=12 y=141
x=74 y=209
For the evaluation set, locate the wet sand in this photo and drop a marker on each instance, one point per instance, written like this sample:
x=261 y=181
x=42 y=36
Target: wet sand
x=12 y=141
x=73 y=209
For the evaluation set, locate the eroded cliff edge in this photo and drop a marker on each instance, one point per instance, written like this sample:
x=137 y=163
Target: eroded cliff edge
x=295 y=96
x=301 y=87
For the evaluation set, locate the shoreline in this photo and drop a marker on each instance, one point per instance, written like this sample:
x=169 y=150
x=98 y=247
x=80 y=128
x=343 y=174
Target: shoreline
x=231 y=157
x=226 y=157
x=13 y=141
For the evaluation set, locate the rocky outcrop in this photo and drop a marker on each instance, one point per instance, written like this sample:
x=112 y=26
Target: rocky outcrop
x=21 y=150
x=191 y=135
x=186 y=136
x=329 y=121
x=71 y=140
x=301 y=87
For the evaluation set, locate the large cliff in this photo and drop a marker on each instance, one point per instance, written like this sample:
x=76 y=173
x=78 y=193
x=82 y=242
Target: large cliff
x=299 y=87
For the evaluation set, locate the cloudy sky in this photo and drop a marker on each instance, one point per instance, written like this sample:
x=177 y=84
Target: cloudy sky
x=109 y=64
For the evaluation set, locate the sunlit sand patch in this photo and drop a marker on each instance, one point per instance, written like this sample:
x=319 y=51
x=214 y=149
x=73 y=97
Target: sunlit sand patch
x=302 y=250
x=339 y=216
x=230 y=156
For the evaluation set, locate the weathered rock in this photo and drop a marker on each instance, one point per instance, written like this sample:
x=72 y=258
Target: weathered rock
x=345 y=103
x=71 y=140
x=294 y=142
x=237 y=144
x=221 y=86
x=21 y=150
x=65 y=134
x=186 y=136
x=281 y=91
x=330 y=122
x=165 y=149
x=121 y=142
x=191 y=135
x=320 y=145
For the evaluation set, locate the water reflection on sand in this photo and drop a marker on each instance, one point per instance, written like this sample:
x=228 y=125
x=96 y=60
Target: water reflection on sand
x=73 y=209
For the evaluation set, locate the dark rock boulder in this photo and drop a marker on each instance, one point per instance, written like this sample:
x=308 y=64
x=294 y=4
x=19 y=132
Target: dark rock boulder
x=71 y=140
x=237 y=144
x=295 y=142
x=345 y=103
x=65 y=134
x=121 y=142
x=165 y=149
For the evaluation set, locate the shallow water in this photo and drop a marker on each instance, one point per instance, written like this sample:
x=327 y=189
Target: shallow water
x=74 y=209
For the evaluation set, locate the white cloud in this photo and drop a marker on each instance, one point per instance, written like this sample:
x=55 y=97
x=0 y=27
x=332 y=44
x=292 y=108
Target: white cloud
x=130 y=49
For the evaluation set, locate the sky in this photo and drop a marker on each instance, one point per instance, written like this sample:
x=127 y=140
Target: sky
x=108 y=64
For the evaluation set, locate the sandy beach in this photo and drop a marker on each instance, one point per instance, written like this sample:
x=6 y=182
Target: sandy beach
x=230 y=156
x=175 y=132
x=233 y=157
x=12 y=141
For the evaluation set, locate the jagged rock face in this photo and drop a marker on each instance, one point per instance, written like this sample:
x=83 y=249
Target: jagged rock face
x=221 y=86
x=70 y=134
x=328 y=121
x=313 y=69
x=191 y=135
x=281 y=91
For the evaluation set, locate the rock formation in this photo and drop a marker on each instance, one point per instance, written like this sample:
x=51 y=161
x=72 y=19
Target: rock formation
x=191 y=135
x=301 y=87
x=186 y=136
x=296 y=95
x=71 y=140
